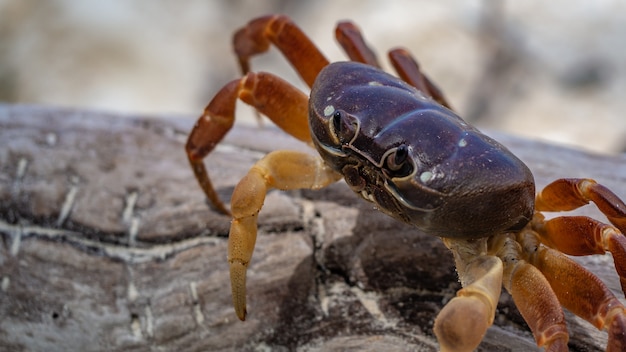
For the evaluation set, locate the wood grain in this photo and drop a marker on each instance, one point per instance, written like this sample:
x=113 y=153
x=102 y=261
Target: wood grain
x=107 y=244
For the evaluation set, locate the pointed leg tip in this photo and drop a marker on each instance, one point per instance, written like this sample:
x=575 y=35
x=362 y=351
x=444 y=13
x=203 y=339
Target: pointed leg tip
x=241 y=314
x=238 y=286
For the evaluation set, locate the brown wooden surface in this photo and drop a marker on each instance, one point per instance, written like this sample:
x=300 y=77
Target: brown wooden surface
x=107 y=244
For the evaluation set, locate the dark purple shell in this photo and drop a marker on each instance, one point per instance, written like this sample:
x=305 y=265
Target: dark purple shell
x=454 y=182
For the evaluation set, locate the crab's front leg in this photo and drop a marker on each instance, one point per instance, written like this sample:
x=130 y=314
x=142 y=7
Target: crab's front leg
x=484 y=266
x=462 y=323
x=283 y=170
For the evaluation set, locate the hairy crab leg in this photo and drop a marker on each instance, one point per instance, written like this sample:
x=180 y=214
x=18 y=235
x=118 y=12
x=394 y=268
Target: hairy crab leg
x=278 y=100
x=280 y=169
x=583 y=235
x=532 y=294
x=349 y=37
x=463 y=322
x=408 y=69
x=256 y=37
x=579 y=291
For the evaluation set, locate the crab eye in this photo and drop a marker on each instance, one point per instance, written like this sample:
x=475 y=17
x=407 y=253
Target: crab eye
x=399 y=157
x=397 y=163
x=336 y=121
x=343 y=126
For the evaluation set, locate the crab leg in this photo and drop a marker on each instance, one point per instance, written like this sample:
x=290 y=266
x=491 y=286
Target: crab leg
x=533 y=296
x=579 y=235
x=408 y=69
x=571 y=193
x=282 y=103
x=280 y=169
x=256 y=37
x=581 y=292
x=463 y=322
x=349 y=37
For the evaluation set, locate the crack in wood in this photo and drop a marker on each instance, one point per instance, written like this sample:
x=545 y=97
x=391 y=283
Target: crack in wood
x=67 y=206
x=149 y=321
x=17 y=233
x=198 y=315
x=124 y=253
x=131 y=200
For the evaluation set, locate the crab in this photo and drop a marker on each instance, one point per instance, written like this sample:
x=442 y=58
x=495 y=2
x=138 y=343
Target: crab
x=397 y=143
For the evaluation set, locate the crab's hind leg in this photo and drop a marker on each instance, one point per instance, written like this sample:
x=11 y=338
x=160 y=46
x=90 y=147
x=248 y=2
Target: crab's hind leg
x=280 y=169
x=263 y=91
x=462 y=323
x=349 y=37
x=255 y=38
x=579 y=291
x=571 y=193
x=581 y=235
x=351 y=40
x=408 y=69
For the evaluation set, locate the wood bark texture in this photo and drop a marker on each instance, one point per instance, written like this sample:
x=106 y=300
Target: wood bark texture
x=108 y=244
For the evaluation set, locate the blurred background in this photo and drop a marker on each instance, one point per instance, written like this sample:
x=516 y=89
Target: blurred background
x=551 y=70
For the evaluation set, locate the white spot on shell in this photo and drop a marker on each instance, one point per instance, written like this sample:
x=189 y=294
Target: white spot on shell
x=374 y=83
x=329 y=110
x=426 y=176
x=462 y=143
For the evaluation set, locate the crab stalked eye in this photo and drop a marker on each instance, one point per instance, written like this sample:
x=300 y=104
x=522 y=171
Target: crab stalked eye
x=336 y=121
x=343 y=126
x=399 y=157
x=397 y=163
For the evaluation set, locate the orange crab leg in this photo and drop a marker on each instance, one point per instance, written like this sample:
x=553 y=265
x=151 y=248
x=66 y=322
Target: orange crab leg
x=408 y=69
x=256 y=37
x=538 y=304
x=351 y=40
x=349 y=37
x=571 y=193
x=582 y=235
x=280 y=169
x=532 y=294
x=582 y=293
x=282 y=103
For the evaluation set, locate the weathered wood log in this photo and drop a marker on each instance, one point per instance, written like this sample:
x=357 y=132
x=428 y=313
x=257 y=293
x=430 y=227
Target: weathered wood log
x=108 y=244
